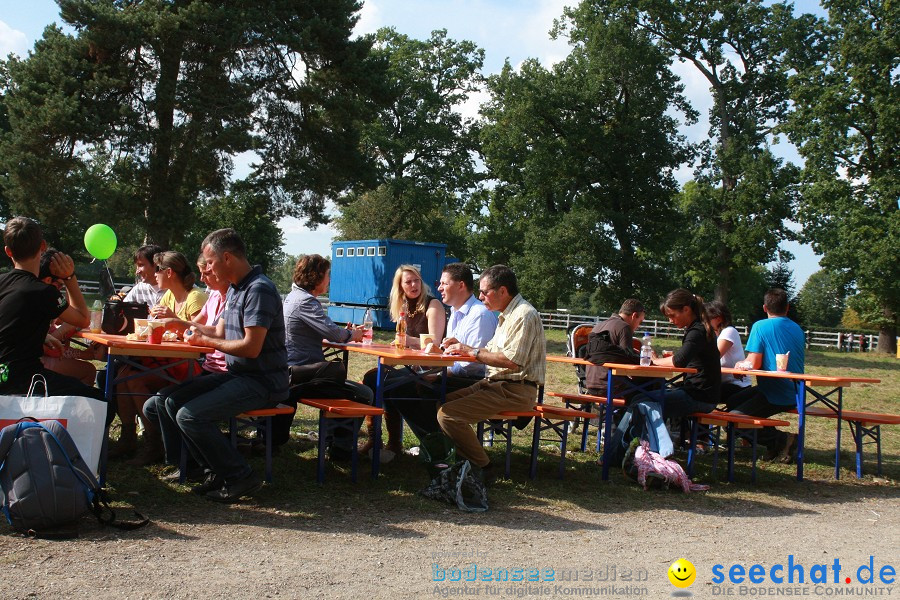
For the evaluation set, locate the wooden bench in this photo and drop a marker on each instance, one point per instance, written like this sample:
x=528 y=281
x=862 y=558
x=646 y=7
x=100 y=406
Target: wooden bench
x=261 y=421
x=862 y=425
x=718 y=419
x=588 y=401
x=337 y=414
x=546 y=418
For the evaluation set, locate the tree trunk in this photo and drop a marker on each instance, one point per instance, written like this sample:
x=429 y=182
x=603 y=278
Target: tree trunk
x=887 y=335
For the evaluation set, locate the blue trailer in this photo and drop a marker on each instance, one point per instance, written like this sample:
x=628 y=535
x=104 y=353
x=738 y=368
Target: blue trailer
x=362 y=272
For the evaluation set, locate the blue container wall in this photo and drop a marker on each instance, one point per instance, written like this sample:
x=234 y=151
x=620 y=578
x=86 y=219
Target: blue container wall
x=354 y=314
x=366 y=279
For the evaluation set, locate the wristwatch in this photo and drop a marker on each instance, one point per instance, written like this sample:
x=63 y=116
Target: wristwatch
x=477 y=352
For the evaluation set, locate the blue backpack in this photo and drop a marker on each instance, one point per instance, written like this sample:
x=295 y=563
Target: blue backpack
x=46 y=484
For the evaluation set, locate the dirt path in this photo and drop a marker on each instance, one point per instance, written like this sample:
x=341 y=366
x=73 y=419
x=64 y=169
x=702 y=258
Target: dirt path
x=359 y=552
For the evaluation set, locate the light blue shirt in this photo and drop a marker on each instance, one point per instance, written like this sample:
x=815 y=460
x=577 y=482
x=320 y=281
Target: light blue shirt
x=474 y=326
x=778 y=335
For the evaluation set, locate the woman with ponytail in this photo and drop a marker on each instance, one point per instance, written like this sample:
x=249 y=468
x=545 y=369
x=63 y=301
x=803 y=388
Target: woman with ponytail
x=699 y=392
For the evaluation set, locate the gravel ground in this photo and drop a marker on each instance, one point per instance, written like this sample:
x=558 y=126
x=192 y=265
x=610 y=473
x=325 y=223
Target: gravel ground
x=252 y=551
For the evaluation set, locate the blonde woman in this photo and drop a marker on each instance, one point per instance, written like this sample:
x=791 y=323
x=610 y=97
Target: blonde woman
x=424 y=314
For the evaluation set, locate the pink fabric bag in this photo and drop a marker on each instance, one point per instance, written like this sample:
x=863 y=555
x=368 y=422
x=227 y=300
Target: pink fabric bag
x=648 y=462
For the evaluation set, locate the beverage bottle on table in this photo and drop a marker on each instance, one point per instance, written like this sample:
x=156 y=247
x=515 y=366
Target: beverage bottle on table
x=646 y=350
x=367 y=327
x=400 y=339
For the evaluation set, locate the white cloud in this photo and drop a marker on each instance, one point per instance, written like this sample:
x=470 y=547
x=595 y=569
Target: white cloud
x=12 y=41
x=369 y=19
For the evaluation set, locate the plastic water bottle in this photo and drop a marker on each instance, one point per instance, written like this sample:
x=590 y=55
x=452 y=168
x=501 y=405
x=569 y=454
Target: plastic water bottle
x=367 y=327
x=401 y=330
x=646 y=350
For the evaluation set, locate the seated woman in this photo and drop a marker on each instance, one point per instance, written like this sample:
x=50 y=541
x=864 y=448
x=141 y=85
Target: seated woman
x=306 y=325
x=730 y=348
x=699 y=392
x=155 y=410
x=180 y=300
x=424 y=314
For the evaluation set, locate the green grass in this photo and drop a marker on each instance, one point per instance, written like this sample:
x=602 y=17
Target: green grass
x=392 y=498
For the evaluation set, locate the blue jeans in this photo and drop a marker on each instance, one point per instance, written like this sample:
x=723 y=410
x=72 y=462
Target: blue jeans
x=197 y=408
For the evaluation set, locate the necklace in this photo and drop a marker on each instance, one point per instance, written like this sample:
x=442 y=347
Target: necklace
x=411 y=313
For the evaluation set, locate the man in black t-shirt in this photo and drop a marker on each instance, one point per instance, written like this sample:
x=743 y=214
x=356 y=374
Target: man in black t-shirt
x=27 y=306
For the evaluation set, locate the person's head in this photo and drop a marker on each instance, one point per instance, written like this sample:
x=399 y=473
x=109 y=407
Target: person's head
x=719 y=315
x=173 y=271
x=456 y=284
x=497 y=286
x=682 y=308
x=313 y=273
x=225 y=255
x=775 y=302
x=408 y=291
x=209 y=278
x=144 y=268
x=44 y=273
x=23 y=239
x=633 y=313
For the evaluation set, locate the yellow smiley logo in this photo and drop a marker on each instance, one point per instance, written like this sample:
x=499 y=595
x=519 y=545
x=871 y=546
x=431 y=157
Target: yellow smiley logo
x=682 y=573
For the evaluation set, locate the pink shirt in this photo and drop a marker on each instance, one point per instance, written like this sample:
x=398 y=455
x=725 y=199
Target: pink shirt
x=209 y=314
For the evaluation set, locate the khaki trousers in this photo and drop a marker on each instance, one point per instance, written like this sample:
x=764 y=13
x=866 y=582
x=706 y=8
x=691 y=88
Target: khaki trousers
x=475 y=403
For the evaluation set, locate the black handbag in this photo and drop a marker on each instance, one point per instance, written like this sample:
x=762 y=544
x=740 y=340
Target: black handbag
x=118 y=316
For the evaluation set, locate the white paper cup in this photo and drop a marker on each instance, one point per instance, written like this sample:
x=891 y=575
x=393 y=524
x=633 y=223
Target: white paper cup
x=781 y=362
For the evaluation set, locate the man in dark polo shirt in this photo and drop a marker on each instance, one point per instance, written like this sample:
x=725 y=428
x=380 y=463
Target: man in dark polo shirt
x=251 y=335
x=28 y=305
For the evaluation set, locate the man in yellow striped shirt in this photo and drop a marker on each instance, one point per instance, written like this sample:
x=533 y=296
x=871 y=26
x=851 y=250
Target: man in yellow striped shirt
x=515 y=359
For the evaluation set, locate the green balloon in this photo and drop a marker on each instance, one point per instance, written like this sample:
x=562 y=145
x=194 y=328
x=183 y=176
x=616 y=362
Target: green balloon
x=100 y=241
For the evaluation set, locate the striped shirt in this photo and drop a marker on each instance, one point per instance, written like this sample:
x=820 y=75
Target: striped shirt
x=144 y=293
x=255 y=302
x=520 y=337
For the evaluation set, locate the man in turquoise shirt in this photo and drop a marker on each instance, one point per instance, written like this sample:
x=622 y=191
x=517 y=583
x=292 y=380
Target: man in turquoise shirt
x=776 y=334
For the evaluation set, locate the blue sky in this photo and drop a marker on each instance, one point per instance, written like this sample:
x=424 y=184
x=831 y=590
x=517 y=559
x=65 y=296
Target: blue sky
x=506 y=29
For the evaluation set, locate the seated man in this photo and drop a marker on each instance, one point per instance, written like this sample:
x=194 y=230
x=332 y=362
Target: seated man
x=515 y=366
x=611 y=341
x=145 y=290
x=471 y=324
x=776 y=334
x=251 y=334
x=28 y=305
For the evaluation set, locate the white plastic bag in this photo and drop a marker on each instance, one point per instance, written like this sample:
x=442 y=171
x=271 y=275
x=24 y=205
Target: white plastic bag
x=84 y=418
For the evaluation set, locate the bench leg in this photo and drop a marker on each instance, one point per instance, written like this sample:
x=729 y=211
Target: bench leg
x=753 y=464
x=268 y=449
x=729 y=432
x=584 y=432
x=877 y=430
x=535 y=445
x=354 y=452
x=320 y=464
x=695 y=423
x=562 y=447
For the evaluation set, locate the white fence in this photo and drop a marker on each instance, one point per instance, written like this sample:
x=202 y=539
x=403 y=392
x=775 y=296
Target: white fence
x=821 y=339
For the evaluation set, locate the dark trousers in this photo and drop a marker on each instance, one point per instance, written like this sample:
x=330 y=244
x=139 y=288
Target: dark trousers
x=418 y=404
x=751 y=401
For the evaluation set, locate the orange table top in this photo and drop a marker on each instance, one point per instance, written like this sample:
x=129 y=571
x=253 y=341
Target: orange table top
x=119 y=345
x=810 y=379
x=621 y=369
x=391 y=355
